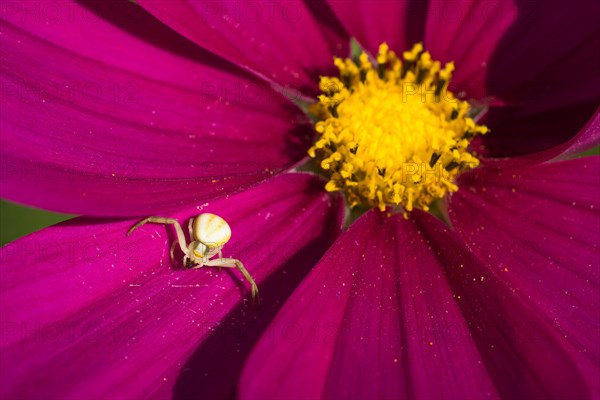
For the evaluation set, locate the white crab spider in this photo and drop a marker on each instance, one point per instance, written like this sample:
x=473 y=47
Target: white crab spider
x=208 y=233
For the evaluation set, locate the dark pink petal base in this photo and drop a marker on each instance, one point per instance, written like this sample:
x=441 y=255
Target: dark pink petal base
x=545 y=68
x=587 y=138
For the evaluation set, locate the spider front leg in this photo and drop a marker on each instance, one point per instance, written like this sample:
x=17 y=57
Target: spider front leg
x=191 y=228
x=235 y=263
x=165 y=221
x=172 y=252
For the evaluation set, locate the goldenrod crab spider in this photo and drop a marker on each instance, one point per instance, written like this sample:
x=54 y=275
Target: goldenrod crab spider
x=209 y=233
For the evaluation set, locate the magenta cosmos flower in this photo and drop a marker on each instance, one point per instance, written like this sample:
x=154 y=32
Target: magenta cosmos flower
x=118 y=111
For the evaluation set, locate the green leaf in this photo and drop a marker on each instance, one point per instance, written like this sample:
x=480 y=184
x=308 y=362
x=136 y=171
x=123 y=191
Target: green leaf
x=17 y=221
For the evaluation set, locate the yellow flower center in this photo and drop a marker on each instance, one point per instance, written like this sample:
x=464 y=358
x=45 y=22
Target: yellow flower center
x=390 y=133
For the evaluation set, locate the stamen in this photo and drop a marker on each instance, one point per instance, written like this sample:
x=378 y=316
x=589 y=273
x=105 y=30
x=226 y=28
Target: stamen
x=392 y=133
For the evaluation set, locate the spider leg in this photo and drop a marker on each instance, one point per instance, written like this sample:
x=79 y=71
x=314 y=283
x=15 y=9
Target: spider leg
x=164 y=221
x=235 y=263
x=191 y=228
x=172 y=252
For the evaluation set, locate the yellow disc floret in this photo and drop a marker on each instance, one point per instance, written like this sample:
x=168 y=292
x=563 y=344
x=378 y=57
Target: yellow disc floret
x=390 y=133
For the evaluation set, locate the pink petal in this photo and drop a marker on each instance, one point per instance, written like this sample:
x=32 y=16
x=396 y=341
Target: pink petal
x=289 y=43
x=87 y=312
x=374 y=319
x=467 y=32
x=538 y=231
x=399 y=23
x=121 y=116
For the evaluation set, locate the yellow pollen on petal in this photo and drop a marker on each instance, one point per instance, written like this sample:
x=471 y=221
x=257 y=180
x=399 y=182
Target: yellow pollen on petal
x=391 y=133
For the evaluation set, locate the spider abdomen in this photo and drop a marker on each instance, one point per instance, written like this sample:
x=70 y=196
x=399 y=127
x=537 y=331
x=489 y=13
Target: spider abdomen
x=211 y=230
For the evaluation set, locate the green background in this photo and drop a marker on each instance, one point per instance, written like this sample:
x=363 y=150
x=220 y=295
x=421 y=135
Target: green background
x=17 y=220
